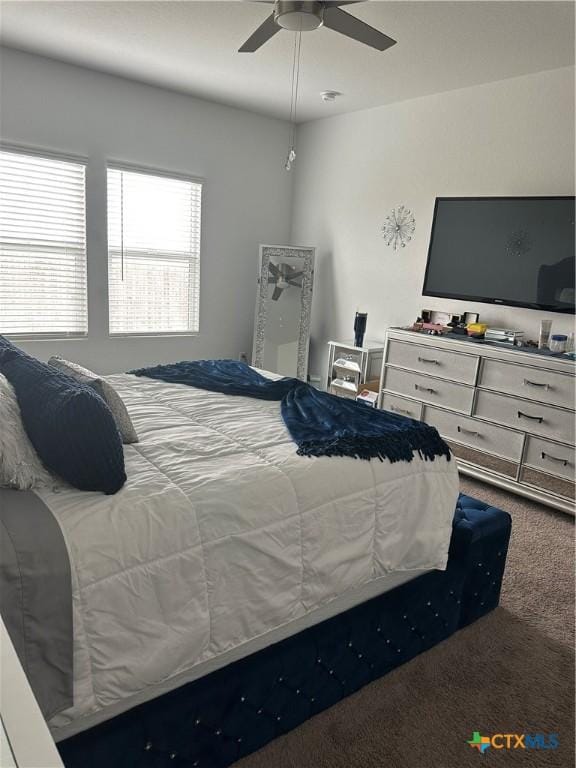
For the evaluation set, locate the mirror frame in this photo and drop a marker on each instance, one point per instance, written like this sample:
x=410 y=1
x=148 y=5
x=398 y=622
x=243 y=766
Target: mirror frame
x=285 y=253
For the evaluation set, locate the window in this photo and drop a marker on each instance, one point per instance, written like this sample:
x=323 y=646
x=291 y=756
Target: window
x=153 y=253
x=42 y=246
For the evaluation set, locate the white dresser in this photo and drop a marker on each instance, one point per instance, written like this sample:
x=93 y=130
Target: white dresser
x=508 y=414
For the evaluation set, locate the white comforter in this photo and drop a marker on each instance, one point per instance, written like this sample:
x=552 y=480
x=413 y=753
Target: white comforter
x=222 y=533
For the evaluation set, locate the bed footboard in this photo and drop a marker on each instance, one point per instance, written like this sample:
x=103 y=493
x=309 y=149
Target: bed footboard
x=212 y=722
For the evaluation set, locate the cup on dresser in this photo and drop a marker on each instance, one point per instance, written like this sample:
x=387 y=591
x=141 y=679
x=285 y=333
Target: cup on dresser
x=545 y=328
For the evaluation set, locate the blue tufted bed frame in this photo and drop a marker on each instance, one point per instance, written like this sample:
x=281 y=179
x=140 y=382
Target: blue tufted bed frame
x=216 y=720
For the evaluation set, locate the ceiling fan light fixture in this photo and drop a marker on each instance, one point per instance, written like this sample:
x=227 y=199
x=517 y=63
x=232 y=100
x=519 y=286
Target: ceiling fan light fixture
x=298 y=16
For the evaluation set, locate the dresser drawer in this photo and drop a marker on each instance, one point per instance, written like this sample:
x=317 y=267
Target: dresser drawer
x=532 y=383
x=535 y=418
x=550 y=457
x=477 y=434
x=436 y=362
x=401 y=405
x=429 y=390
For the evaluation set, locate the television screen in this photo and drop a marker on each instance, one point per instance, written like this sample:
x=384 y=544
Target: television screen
x=515 y=250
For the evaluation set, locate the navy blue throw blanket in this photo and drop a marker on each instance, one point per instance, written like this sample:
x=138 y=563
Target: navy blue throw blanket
x=319 y=423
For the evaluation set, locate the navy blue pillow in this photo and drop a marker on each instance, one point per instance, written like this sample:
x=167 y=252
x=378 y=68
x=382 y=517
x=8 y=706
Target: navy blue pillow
x=8 y=350
x=68 y=423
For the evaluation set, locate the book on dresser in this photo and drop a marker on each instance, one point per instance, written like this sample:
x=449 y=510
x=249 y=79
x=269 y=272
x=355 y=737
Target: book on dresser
x=507 y=413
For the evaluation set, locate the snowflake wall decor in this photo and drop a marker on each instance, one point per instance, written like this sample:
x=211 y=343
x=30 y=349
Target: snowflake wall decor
x=399 y=227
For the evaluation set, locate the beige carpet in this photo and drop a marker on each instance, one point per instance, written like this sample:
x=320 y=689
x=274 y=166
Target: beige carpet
x=510 y=672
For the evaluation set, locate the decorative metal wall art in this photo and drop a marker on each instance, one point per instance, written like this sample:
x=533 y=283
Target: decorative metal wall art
x=399 y=227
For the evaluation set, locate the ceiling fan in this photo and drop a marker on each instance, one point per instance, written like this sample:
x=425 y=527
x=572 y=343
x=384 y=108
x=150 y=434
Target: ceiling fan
x=304 y=16
x=282 y=276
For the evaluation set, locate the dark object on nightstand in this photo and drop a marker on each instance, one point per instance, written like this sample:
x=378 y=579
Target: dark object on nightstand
x=360 y=322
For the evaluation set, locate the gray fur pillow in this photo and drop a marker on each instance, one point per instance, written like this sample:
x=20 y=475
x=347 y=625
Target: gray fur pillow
x=106 y=392
x=20 y=466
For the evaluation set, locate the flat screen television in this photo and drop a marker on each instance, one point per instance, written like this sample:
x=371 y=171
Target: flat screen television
x=517 y=251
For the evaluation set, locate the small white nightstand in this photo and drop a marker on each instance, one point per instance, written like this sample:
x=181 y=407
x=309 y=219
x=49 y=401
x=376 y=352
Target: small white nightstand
x=352 y=368
x=25 y=741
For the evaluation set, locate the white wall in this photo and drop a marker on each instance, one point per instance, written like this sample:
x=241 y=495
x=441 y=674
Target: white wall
x=246 y=198
x=514 y=137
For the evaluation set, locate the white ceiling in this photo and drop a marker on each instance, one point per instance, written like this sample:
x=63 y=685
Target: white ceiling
x=192 y=47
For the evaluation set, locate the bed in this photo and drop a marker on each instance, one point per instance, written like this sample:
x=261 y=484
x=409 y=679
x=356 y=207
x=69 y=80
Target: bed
x=225 y=545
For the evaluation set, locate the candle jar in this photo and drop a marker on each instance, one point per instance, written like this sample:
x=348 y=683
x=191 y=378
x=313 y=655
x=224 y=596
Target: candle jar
x=558 y=343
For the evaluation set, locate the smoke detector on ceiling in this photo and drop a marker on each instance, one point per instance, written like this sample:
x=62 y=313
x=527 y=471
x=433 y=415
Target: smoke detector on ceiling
x=330 y=96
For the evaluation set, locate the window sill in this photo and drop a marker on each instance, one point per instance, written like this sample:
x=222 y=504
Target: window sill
x=158 y=335
x=17 y=338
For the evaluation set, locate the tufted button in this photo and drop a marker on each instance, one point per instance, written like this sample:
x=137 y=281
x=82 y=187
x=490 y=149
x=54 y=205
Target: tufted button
x=259 y=712
x=387 y=642
x=487 y=573
x=318 y=660
x=148 y=746
x=379 y=629
x=428 y=603
x=239 y=740
x=298 y=691
x=196 y=763
x=479 y=565
x=218 y=732
x=436 y=614
x=197 y=722
x=330 y=671
x=413 y=629
x=280 y=679
x=398 y=650
x=350 y=644
x=242 y=699
x=359 y=655
x=404 y=617
x=278 y=718
x=173 y=756
x=312 y=700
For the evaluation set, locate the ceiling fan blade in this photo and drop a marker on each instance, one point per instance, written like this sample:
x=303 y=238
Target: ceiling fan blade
x=265 y=31
x=277 y=293
x=295 y=275
x=274 y=269
x=346 y=24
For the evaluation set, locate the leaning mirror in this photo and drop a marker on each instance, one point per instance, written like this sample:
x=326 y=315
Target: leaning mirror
x=282 y=324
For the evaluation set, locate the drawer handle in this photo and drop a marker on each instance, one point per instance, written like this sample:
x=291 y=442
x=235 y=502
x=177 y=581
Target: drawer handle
x=400 y=410
x=468 y=431
x=539 y=419
x=528 y=383
x=420 y=388
x=428 y=360
x=548 y=456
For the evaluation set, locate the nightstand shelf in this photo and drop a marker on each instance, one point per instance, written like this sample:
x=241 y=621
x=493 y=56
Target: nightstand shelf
x=351 y=369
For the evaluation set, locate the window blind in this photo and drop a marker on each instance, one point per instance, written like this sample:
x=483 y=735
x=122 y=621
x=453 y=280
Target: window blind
x=42 y=246
x=153 y=253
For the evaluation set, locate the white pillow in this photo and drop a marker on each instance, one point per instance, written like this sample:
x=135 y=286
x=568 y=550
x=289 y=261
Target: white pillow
x=20 y=467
